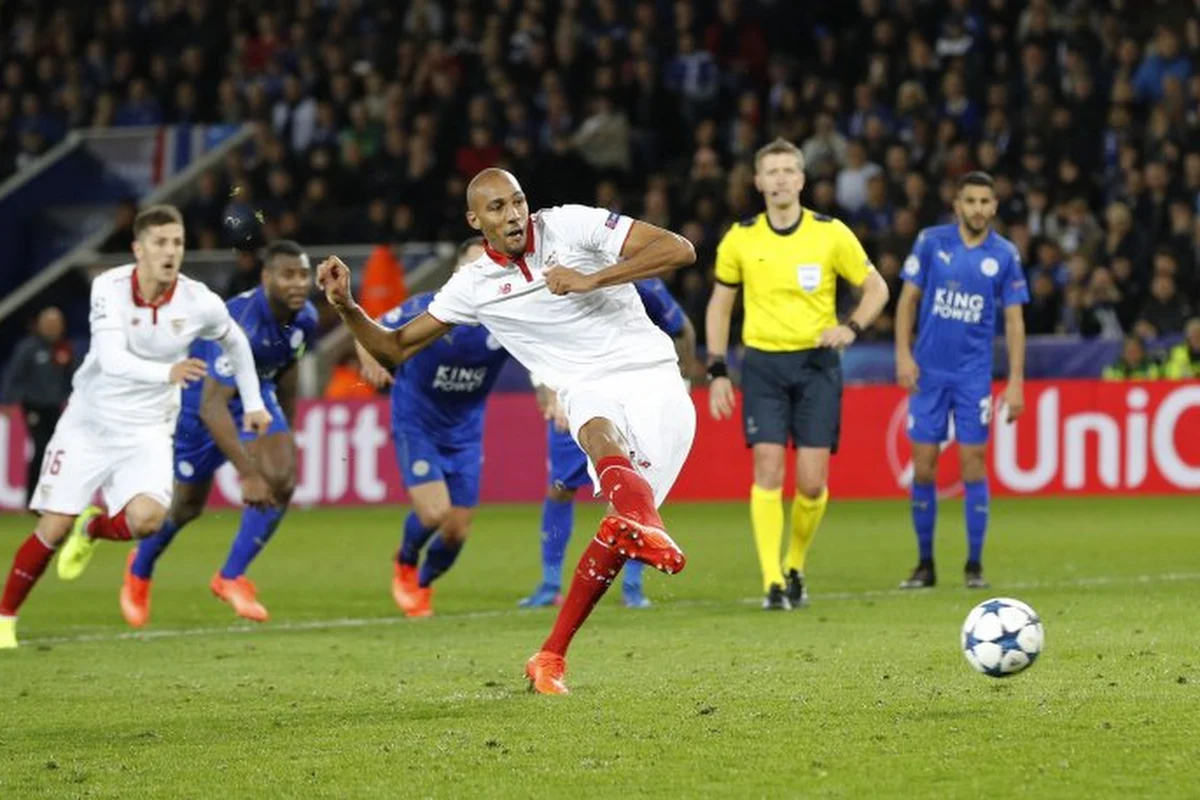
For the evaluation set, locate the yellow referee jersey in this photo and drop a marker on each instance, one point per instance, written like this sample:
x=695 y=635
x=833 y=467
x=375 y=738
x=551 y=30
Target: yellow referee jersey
x=789 y=278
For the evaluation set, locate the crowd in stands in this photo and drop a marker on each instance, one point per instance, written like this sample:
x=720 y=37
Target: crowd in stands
x=371 y=116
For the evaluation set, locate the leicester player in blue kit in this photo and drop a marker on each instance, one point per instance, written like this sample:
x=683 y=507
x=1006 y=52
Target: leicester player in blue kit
x=957 y=279
x=568 y=463
x=438 y=401
x=280 y=323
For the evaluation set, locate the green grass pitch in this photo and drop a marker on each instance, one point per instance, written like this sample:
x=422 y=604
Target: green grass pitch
x=865 y=694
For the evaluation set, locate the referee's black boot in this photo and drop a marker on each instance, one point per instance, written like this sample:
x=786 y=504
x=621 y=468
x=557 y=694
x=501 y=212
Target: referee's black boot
x=776 y=599
x=797 y=592
x=973 y=575
x=923 y=577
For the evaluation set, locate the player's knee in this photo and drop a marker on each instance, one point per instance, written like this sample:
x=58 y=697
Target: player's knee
x=812 y=488
x=974 y=466
x=53 y=528
x=768 y=477
x=560 y=494
x=455 y=529
x=433 y=516
x=282 y=487
x=924 y=473
x=144 y=517
x=184 y=513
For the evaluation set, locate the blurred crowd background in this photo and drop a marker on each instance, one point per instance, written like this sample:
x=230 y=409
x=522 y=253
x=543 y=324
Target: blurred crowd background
x=372 y=115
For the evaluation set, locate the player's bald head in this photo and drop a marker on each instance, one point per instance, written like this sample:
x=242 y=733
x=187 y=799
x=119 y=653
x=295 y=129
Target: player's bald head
x=490 y=184
x=496 y=208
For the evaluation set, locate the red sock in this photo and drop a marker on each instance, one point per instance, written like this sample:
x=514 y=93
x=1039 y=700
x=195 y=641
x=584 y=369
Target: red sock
x=115 y=528
x=628 y=491
x=28 y=565
x=595 y=573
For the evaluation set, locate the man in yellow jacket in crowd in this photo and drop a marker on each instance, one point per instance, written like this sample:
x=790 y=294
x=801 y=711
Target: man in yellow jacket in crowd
x=1183 y=361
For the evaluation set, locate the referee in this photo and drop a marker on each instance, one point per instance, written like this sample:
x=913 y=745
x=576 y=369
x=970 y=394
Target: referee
x=787 y=261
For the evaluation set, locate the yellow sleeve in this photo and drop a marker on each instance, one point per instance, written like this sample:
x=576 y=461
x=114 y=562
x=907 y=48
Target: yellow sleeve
x=729 y=259
x=851 y=261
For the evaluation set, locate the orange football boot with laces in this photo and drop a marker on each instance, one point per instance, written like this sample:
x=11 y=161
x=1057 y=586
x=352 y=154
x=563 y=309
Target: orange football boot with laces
x=545 y=673
x=135 y=595
x=240 y=593
x=641 y=542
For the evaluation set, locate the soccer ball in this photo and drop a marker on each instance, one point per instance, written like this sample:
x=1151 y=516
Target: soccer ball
x=1002 y=637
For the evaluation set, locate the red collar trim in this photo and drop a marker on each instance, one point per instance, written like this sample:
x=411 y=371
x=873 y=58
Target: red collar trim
x=141 y=302
x=503 y=260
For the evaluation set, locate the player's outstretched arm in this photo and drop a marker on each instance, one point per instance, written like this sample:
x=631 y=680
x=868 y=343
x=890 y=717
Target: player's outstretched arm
x=907 y=372
x=237 y=349
x=390 y=348
x=214 y=413
x=1014 y=337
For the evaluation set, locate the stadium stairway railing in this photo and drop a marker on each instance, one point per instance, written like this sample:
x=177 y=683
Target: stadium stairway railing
x=58 y=211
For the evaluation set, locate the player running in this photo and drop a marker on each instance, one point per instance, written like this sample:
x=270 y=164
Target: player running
x=552 y=288
x=280 y=323
x=568 y=466
x=958 y=275
x=438 y=402
x=116 y=432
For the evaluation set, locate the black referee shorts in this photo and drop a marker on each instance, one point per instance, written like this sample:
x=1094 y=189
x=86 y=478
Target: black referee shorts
x=793 y=396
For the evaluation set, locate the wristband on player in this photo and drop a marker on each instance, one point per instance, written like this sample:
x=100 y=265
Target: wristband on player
x=718 y=369
x=855 y=327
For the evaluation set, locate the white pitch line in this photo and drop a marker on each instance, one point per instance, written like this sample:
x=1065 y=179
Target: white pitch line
x=372 y=622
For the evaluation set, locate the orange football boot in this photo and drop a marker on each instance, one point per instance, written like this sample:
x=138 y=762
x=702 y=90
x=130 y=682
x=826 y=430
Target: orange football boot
x=643 y=543
x=135 y=595
x=408 y=594
x=545 y=673
x=241 y=594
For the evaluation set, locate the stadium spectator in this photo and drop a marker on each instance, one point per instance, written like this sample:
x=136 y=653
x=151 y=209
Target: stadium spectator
x=1135 y=364
x=1088 y=114
x=38 y=378
x=1183 y=360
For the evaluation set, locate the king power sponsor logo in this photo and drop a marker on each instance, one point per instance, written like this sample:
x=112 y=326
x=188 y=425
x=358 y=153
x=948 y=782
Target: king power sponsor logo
x=956 y=305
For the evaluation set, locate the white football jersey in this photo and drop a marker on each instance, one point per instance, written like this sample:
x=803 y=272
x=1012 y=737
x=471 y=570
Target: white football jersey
x=159 y=335
x=564 y=339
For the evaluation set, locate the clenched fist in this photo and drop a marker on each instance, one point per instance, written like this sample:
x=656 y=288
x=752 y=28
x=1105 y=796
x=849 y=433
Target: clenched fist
x=333 y=278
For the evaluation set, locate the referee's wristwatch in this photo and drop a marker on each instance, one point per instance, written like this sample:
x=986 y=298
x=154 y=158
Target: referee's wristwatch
x=855 y=328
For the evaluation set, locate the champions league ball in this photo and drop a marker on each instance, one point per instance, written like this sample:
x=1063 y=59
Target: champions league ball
x=243 y=226
x=1002 y=637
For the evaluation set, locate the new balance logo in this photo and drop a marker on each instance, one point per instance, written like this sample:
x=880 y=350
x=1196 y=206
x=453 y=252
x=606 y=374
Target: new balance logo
x=506 y=288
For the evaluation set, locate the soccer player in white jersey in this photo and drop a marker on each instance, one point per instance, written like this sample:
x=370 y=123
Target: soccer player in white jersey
x=556 y=290
x=116 y=433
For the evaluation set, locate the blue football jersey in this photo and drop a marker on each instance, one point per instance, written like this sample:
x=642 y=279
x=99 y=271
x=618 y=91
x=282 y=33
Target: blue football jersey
x=275 y=347
x=443 y=389
x=963 y=290
x=660 y=305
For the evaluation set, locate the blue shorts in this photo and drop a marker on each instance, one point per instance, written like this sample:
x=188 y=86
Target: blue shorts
x=568 y=463
x=930 y=408
x=197 y=456
x=422 y=461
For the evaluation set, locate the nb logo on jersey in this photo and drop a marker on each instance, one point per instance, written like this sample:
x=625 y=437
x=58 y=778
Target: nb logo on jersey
x=961 y=306
x=944 y=256
x=506 y=288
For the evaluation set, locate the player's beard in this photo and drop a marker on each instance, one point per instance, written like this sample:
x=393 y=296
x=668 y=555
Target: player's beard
x=976 y=229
